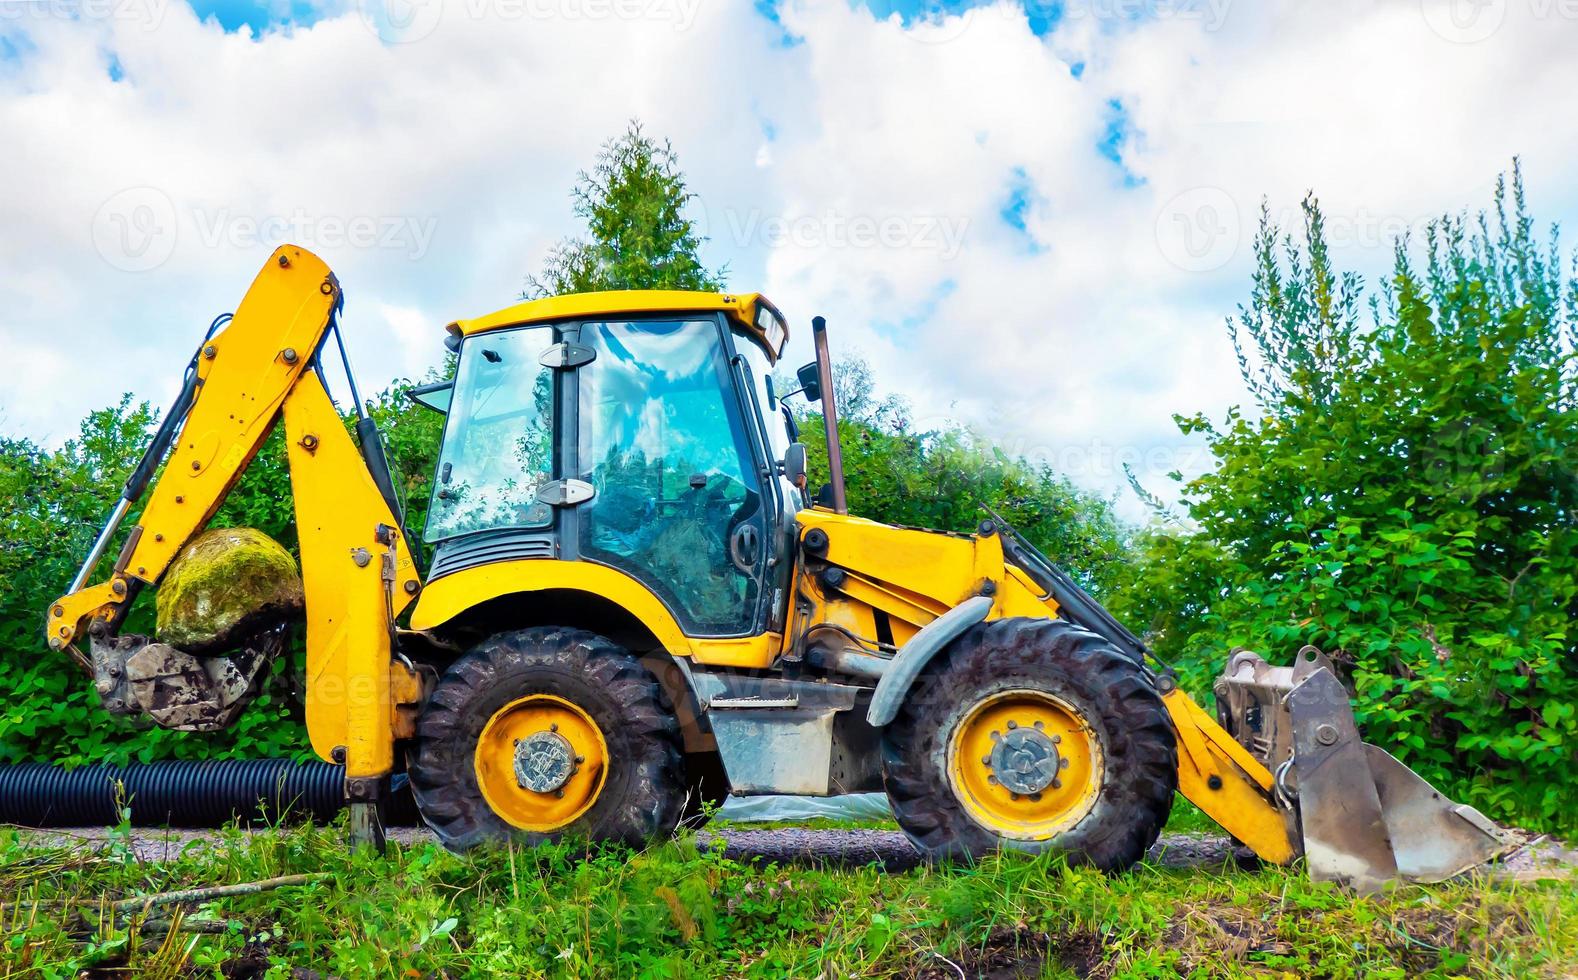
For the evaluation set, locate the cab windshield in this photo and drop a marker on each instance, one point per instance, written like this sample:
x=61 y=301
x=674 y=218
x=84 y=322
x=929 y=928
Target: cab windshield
x=498 y=441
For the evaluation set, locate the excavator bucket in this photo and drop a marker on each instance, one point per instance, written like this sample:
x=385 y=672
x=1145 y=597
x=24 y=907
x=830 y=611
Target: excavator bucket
x=1362 y=817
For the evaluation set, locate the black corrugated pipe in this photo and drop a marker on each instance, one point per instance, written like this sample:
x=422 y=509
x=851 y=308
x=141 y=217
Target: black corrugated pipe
x=183 y=794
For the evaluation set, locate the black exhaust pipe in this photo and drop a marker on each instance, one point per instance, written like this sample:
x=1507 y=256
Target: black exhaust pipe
x=184 y=794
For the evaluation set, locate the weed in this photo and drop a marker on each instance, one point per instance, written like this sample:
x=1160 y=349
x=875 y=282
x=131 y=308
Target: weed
x=681 y=910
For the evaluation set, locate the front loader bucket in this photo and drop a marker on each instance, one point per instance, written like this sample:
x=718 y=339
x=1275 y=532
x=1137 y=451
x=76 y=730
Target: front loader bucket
x=1363 y=817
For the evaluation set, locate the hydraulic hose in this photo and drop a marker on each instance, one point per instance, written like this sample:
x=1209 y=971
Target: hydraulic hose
x=183 y=794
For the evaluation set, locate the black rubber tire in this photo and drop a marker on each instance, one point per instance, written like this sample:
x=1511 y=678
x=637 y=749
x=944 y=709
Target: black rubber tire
x=644 y=788
x=1114 y=695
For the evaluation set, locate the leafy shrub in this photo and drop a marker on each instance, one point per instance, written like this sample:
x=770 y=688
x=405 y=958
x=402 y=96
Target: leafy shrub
x=1405 y=501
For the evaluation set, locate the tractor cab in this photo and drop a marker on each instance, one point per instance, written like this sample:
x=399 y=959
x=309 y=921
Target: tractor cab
x=635 y=430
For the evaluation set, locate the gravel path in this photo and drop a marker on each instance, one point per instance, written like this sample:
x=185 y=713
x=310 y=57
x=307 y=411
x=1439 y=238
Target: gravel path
x=793 y=845
x=1540 y=858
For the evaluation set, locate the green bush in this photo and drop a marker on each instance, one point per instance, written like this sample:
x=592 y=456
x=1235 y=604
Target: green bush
x=57 y=502
x=1404 y=501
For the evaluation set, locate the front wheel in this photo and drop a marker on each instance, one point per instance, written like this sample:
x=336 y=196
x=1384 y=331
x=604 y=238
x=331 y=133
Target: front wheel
x=1032 y=735
x=545 y=732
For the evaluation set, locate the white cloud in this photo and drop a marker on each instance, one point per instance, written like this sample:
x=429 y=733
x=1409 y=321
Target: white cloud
x=860 y=173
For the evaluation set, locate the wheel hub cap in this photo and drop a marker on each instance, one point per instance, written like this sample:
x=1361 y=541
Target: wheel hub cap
x=544 y=761
x=1024 y=763
x=1025 y=760
x=541 y=762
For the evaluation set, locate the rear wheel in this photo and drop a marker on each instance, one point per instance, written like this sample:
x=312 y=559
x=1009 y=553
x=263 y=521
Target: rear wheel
x=544 y=732
x=1033 y=735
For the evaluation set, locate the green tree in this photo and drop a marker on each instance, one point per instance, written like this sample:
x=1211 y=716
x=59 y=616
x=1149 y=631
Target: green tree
x=633 y=202
x=1405 y=500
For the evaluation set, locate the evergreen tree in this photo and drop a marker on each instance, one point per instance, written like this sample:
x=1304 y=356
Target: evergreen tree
x=633 y=202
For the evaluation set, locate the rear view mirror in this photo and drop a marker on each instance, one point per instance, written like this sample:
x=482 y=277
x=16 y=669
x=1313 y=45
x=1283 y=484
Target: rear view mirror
x=810 y=382
x=794 y=465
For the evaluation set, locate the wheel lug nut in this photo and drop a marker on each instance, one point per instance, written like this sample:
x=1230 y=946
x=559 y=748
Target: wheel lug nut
x=559 y=793
x=1013 y=725
x=1014 y=797
x=1035 y=797
x=992 y=780
x=1056 y=739
x=996 y=735
x=1057 y=783
x=553 y=727
x=580 y=759
x=986 y=761
x=1040 y=726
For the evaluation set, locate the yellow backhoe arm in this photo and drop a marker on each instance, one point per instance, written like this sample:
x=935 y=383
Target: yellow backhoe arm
x=357 y=569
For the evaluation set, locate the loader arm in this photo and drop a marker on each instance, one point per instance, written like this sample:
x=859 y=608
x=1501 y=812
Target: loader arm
x=358 y=573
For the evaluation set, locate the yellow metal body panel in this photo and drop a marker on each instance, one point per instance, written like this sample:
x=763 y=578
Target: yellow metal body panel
x=354 y=584
x=745 y=652
x=913 y=576
x=740 y=308
x=454 y=594
x=448 y=597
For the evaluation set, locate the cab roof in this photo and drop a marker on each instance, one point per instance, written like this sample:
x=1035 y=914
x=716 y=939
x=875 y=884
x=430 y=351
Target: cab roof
x=745 y=310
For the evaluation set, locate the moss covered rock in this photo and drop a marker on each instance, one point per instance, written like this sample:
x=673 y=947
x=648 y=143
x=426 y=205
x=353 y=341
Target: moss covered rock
x=226 y=584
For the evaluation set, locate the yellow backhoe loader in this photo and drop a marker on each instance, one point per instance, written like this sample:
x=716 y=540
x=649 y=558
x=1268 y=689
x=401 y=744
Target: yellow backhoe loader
x=634 y=605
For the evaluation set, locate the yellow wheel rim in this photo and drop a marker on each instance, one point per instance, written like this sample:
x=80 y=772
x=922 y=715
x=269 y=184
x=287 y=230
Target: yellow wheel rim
x=541 y=762
x=1025 y=765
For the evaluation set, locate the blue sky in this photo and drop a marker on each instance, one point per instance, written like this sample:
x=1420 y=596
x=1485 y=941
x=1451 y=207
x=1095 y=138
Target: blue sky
x=1032 y=220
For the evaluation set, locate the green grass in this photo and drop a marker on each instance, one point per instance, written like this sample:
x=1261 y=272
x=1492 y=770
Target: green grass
x=679 y=911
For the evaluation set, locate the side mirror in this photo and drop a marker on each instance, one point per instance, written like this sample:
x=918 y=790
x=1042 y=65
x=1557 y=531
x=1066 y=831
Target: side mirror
x=794 y=464
x=434 y=396
x=810 y=382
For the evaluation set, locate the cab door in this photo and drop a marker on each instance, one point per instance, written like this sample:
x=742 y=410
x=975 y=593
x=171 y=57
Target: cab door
x=676 y=497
